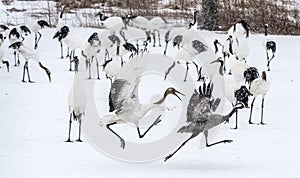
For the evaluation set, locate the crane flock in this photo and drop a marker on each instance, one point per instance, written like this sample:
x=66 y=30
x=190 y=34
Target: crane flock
x=122 y=42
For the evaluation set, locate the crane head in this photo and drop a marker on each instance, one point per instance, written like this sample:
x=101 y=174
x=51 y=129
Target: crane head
x=173 y=91
x=16 y=45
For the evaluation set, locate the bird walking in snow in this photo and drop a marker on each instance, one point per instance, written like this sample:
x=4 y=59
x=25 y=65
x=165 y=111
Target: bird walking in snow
x=28 y=54
x=200 y=116
x=76 y=103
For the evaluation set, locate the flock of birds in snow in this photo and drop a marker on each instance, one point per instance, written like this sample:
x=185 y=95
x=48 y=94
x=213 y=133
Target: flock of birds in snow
x=131 y=36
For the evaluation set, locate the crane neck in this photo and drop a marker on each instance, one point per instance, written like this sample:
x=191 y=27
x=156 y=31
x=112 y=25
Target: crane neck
x=194 y=20
x=221 y=72
x=266 y=31
x=226 y=117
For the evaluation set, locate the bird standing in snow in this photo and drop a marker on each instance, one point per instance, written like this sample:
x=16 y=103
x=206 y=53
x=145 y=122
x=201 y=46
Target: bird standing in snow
x=270 y=47
x=2 y=53
x=76 y=103
x=259 y=86
x=28 y=54
x=71 y=40
x=90 y=52
x=35 y=27
x=16 y=35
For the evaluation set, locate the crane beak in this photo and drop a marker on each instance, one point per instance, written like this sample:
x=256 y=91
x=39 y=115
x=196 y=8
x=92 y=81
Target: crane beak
x=218 y=60
x=176 y=94
x=56 y=35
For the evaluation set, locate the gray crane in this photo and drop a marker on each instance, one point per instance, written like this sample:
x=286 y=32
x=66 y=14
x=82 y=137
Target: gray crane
x=200 y=116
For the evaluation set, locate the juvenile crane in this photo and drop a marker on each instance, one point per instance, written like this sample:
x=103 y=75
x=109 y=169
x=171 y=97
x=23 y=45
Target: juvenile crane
x=200 y=116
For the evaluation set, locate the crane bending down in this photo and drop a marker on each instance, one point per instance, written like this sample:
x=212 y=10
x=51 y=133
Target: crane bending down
x=29 y=53
x=200 y=115
x=124 y=101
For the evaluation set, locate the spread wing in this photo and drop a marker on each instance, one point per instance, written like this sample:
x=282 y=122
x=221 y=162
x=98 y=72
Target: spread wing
x=123 y=95
x=124 y=90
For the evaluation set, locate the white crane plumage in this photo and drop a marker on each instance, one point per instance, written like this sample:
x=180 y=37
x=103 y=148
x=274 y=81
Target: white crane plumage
x=234 y=92
x=177 y=34
x=71 y=40
x=16 y=35
x=36 y=26
x=124 y=101
x=28 y=54
x=239 y=29
x=193 y=46
x=92 y=48
x=113 y=24
x=259 y=86
x=59 y=25
x=2 y=53
x=77 y=103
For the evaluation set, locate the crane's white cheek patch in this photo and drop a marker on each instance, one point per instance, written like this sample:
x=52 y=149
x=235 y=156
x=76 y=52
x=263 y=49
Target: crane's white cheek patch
x=162 y=138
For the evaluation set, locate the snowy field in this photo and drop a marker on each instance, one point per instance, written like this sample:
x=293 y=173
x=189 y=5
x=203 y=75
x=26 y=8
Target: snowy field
x=34 y=121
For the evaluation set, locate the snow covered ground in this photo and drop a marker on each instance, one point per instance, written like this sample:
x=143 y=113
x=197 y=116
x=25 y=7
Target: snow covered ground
x=34 y=121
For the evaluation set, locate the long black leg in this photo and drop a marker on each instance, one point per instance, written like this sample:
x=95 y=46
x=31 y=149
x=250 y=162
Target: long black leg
x=70 y=56
x=97 y=66
x=70 y=125
x=236 y=119
x=158 y=34
x=170 y=155
x=68 y=52
x=251 y=111
x=121 y=139
x=24 y=68
x=262 y=111
x=17 y=60
x=209 y=145
x=39 y=38
x=61 y=50
x=35 y=40
x=154 y=39
x=224 y=66
x=28 y=73
x=79 y=121
x=18 y=56
x=90 y=70
x=187 y=69
x=169 y=70
x=165 y=51
x=154 y=123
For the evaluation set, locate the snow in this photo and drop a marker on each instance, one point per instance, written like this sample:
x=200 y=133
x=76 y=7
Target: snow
x=34 y=122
